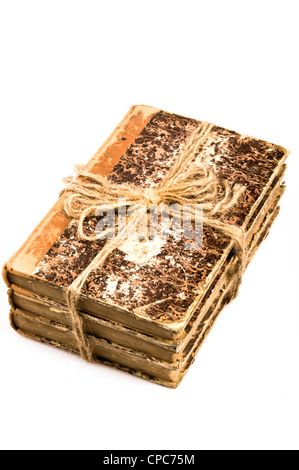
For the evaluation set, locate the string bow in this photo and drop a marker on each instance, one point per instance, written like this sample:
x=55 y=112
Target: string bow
x=187 y=182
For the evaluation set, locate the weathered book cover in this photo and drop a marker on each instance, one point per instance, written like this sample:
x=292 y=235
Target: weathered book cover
x=161 y=291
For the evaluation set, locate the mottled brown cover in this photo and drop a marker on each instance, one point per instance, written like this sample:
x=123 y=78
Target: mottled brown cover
x=165 y=287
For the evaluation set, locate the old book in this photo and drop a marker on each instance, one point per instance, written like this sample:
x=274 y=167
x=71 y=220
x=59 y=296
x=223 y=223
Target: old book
x=162 y=299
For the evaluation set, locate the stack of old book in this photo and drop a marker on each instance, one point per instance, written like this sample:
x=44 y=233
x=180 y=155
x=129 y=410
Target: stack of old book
x=148 y=309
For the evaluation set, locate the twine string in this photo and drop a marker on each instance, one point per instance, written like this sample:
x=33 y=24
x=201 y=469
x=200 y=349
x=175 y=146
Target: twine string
x=186 y=182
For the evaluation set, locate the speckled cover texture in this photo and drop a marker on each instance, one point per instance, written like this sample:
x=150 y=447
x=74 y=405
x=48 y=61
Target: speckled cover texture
x=163 y=287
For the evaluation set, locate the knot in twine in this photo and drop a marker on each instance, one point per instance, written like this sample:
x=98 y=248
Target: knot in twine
x=188 y=182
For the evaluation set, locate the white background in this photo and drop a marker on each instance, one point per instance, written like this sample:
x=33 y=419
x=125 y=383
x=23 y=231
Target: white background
x=70 y=70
